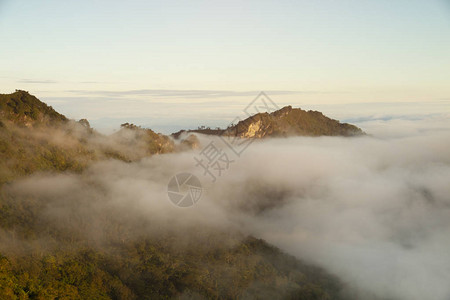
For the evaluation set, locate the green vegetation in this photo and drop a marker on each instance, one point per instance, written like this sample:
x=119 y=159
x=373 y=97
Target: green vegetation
x=140 y=270
x=34 y=137
x=24 y=108
x=23 y=153
x=83 y=254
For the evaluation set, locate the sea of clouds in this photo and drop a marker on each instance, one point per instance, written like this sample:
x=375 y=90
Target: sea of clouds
x=374 y=210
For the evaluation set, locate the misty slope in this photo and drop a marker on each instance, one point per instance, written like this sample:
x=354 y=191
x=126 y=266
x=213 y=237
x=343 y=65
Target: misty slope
x=79 y=238
x=286 y=121
x=34 y=137
x=90 y=235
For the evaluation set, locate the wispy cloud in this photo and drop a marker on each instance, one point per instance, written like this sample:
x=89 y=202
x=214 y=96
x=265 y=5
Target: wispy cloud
x=161 y=93
x=372 y=118
x=51 y=81
x=37 y=81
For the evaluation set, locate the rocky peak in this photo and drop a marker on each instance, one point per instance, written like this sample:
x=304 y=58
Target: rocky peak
x=289 y=121
x=282 y=112
x=286 y=121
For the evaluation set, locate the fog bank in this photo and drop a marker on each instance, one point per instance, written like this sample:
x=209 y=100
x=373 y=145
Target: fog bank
x=374 y=210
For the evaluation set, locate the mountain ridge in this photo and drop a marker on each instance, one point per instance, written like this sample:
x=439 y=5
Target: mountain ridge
x=284 y=122
x=35 y=137
x=23 y=108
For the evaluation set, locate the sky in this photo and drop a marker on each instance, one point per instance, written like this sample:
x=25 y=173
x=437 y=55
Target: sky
x=170 y=64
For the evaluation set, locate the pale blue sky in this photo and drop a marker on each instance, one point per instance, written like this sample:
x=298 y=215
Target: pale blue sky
x=77 y=54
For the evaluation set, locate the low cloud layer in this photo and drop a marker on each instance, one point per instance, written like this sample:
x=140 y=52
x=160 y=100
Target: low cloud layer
x=376 y=212
x=373 y=210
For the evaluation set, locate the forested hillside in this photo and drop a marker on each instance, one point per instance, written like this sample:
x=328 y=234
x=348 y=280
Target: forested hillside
x=64 y=242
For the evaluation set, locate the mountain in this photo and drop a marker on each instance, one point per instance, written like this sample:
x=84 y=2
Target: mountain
x=284 y=122
x=49 y=239
x=25 y=109
x=290 y=121
x=34 y=137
